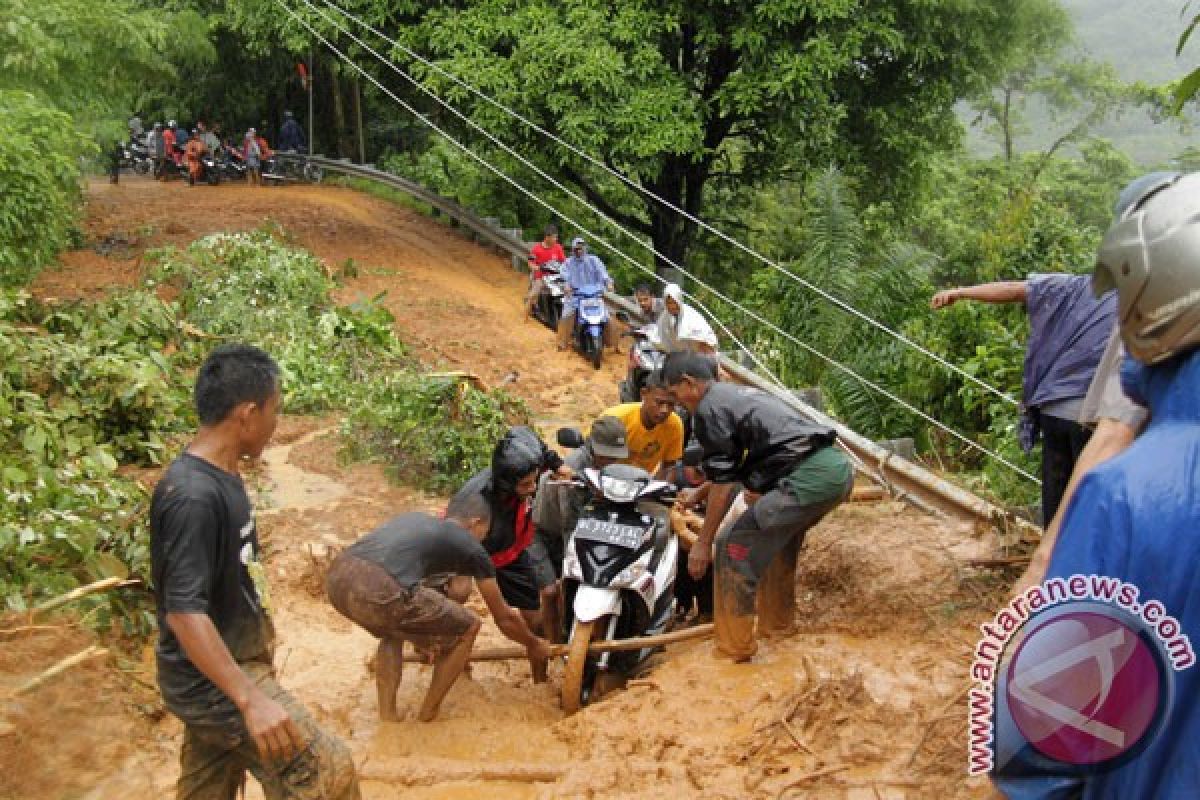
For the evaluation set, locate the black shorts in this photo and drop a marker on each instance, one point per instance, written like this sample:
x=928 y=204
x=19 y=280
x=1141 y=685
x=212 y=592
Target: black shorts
x=546 y=553
x=518 y=583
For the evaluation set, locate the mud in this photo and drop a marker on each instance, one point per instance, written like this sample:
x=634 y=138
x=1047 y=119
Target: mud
x=852 y=705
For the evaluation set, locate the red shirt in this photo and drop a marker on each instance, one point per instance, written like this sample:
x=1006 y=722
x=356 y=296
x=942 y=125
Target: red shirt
x=542 y=254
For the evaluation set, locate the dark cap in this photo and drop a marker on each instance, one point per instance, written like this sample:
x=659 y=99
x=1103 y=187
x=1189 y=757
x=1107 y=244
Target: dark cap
x=608 y=438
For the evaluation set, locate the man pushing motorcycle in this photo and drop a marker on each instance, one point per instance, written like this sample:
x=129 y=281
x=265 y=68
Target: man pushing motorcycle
x=791 y=475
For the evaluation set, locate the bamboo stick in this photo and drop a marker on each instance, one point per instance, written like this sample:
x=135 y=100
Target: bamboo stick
x=84 y=591
x=59 y=668
x=616 y=646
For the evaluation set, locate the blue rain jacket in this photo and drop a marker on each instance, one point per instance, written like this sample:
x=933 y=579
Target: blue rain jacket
x=1137 y=518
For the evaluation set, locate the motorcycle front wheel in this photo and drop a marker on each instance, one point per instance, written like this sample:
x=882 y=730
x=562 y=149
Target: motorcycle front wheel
x=575 y=676
x=596 y=343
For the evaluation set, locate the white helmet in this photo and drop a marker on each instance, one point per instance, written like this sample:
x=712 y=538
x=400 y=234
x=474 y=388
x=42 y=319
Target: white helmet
x=1151 y=256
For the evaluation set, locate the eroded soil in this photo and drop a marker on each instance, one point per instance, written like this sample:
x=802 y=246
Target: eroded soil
x=860 y=703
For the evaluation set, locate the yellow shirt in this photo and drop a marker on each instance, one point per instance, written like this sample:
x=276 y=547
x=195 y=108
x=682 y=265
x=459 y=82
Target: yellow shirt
x=649 y=448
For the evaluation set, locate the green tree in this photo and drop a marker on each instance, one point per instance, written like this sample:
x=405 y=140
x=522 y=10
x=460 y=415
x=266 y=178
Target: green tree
x=69 y=70
x=678 y=94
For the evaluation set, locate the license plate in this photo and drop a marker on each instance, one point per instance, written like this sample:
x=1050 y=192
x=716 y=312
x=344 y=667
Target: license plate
x=597 y=530
x=592 y=305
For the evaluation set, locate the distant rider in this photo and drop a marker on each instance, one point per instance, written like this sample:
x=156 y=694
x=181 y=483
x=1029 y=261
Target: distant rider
x=546 y=251
x=580 y=270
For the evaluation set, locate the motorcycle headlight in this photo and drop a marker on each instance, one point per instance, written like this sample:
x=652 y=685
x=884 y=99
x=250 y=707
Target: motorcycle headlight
x=618 y=490
x=630 y=575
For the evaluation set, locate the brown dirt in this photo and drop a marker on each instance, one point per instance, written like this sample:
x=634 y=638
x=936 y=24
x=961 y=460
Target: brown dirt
x=888 y=614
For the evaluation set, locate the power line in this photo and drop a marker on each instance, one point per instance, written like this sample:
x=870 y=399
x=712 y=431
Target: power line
x=846 y=307
x=748 y=312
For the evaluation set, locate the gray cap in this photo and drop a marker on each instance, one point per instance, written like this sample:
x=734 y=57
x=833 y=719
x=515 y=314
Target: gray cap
x=608 y=438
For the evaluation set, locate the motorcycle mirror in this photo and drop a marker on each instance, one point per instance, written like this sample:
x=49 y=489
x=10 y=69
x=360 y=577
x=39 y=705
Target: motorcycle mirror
x=570 y=437
x=693 y=454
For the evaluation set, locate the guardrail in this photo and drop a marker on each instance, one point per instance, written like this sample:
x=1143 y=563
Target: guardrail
x=902 y=478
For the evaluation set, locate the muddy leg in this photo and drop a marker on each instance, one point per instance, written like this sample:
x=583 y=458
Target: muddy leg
x=565 y=325
x=777 y=592
x=446 y=670
x=389 y=665
x=535 y=622
x=552 y=613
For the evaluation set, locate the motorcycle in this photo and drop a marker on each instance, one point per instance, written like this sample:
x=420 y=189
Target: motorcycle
x=644 y=358
x=136 y=157
x=591 y=317
x=548 y=306
x=618 y=574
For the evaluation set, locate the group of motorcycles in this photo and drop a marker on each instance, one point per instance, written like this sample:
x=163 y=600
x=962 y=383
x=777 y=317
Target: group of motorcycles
x=591 y=320
x=226 y=164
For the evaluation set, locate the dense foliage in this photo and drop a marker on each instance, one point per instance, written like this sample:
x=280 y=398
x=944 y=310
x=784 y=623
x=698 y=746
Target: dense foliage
x=69 y=70
x=87 y=388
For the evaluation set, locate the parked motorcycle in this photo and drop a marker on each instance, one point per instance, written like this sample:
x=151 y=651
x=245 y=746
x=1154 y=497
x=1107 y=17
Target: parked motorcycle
x=591 y=318
x=137 y=158
x=618 y=574
x=644 y=358
x=548 y=305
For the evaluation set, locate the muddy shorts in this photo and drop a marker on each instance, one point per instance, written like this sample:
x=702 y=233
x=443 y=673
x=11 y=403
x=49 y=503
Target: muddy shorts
x=546 y=553
x=518 y=583
x=366 y=594
x=214 y=760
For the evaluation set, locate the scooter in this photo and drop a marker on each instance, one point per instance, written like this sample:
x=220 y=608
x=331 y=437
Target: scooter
x=548 y=306
x=590 y=320
x=644 y=358
x=618 y=574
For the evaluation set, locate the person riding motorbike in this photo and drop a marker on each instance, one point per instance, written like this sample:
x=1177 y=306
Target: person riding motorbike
x=681 y=327
x=540 y=254
x=579 y=270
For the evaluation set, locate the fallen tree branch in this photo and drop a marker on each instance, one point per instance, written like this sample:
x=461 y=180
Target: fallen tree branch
x=406 y=775
x=57 y=669
x=934 y=719
x=83 y=591
x=10 y=633
x=616 y=646
x=1010 y=561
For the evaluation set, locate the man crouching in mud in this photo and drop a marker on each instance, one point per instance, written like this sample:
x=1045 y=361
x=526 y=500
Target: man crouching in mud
x=408 y=579
x=791 y=476
x=215 y=637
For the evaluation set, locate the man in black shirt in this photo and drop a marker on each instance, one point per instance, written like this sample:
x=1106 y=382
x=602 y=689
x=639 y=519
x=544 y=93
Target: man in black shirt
x=790 y=476
x=215 y=634
x=394 y=582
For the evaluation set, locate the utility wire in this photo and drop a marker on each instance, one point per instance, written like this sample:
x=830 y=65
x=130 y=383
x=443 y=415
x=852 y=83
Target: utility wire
x=748 y=312
x=541 y=173
x=842 y=304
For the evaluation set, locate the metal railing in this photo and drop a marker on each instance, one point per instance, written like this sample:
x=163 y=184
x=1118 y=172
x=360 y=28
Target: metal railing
x=903 y=478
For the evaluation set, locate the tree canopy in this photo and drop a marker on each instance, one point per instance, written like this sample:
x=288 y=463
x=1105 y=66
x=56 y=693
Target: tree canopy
x=678 y=94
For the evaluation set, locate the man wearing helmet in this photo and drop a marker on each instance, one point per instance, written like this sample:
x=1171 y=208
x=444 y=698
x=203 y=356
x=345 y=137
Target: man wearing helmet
x=1135 y=518
x=509 y=485
x=580 y=269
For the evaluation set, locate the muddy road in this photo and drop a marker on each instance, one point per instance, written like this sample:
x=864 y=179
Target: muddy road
x=859 y=703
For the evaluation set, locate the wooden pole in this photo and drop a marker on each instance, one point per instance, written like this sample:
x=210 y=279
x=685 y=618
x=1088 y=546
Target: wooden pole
x=84 y=591
x=615 y=646
x=60 y=667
